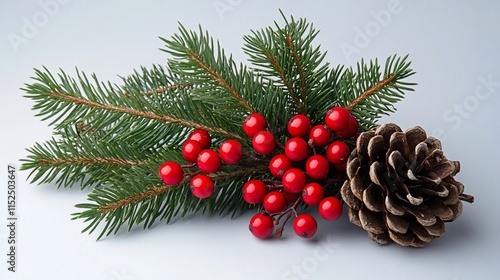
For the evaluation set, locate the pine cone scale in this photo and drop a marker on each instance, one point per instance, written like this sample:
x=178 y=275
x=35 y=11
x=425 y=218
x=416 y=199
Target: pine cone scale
x=373 y=198
x=397 y=223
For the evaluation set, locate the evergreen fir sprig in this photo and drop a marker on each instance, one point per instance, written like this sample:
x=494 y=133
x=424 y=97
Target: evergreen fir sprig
x=139 y=198
x=370 y=92
x=112 y=138
x=286 y=55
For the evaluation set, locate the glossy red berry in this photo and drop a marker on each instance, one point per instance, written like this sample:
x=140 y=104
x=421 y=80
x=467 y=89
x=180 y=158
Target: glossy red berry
x=337 y=118
x=337 y=152
x=313 y=193
x=171 y=173
x=254 y=191
x=274 y=202
x=263 y=142
x=320 y=135
x=261 y=225
x=279 y=164
x=296 y=149
x=305 y=225
x=253 y=124
x=317 y=167
x=299 y=126
x=191 y=149
x=330 y=208
x=231 y=151
x=202 y=186
x=201 y=136
x=350 y=131
x=208 y=161
x=294 y=180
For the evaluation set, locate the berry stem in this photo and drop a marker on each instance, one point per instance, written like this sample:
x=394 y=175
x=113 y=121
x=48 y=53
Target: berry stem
x=279 y=231
x=252 y=157
x=189 y=165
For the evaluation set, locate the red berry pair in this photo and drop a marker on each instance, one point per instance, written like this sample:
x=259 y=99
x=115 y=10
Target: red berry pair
x=339 y=119
x=172 y=174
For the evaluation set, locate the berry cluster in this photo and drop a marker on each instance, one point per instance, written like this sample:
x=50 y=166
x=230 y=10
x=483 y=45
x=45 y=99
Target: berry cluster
x=301 y=172
x=304 y=169
x=196 y=149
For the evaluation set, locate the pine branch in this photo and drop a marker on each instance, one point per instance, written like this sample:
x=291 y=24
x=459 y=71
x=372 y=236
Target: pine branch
x=297 y=59
x=370 y=93
x=64 y=97
x=88 y=161
x=219 y=80
x=200 y=61
x=373 y=90
x=142 y=199
x=285 y=55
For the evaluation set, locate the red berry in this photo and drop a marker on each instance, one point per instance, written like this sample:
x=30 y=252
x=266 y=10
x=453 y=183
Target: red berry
x=261 y=225
x=202 y=186
x=305 y=226
x=337 y=118
x=317 y=167
x=191 y=149
x=274 y=202
x=330 y=208
x=263 y=142
x=350 y=131
x=313 y=193
x=254 y=191
x=337 y=152
x=320 y=135
x=171 y=173
x=253 y=124
x=294 y=180
x=279 y=164
x=299 y=126
x=208 y=161
x=296 y=149
x=201 y=136
x=231 y=151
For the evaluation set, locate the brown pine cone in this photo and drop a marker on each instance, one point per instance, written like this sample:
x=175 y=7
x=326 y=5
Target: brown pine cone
x=400 y=186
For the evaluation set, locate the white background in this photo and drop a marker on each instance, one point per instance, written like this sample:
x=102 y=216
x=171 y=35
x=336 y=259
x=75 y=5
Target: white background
x=454 y=46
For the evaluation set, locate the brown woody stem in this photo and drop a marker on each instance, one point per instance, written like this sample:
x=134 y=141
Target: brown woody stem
x=219 y=80
x=134 y=199
x=466 y=197
x=155 y=191
x=296 y=58
x=374 y=89
x=287 y=83
x=162 y=89
x=89 y=161
x=149 y=115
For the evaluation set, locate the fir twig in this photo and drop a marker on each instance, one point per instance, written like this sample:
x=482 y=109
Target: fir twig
x=374 y=89
x=88 y=161
x=148 y=115
x=151 y=192
x=219 y=80
x=300 y=68
x=161 y=90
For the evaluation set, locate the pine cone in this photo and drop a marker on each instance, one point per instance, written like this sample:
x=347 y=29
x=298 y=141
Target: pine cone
x=400 y=186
